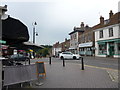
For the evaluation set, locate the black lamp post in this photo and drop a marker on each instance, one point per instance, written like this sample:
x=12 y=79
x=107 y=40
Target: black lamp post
x=34 y=33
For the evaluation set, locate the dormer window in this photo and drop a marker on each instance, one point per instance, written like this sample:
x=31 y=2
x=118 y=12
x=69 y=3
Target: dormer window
x=106 y=21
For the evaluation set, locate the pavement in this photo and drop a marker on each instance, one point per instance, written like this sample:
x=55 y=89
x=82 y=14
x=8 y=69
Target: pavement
x=71 y=76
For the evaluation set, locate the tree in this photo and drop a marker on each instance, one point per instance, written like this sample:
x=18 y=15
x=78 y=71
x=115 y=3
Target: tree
x=45 y=51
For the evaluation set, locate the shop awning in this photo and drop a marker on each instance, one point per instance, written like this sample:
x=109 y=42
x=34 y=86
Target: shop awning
x=110 y=40
x=101 y=43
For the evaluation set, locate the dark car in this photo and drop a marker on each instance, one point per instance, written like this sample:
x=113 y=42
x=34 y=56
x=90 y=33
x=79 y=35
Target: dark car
x=16 y=59
x=19 y=57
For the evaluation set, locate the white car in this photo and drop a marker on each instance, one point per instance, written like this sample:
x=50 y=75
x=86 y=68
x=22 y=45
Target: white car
x=69 y=55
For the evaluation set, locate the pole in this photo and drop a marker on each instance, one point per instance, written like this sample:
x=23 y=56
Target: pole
x=82 y=63
x=0 y=50
x=34 y=34
x=50 y=60
x=33 y=39
x=63 y=62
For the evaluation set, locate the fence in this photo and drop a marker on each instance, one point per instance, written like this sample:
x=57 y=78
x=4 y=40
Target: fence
x=19 y=74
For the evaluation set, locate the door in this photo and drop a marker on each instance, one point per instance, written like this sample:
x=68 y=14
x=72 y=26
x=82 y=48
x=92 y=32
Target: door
x=111 y=50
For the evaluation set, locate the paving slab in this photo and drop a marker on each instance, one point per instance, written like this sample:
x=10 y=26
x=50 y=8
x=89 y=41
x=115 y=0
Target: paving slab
x=71 y=76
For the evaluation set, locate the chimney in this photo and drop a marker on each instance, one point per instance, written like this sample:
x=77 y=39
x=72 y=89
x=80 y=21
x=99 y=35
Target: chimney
x=110 y=14
x=101 y=20
x=86 y=27
x=82 y=24
x=65 y=39
x=74 y=28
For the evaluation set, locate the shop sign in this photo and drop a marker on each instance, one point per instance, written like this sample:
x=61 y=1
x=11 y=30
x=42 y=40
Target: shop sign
x=1 y=41
x=89 y=44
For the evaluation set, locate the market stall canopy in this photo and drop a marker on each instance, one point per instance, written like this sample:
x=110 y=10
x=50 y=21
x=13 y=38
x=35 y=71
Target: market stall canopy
x=32 y=44
x=14 y=31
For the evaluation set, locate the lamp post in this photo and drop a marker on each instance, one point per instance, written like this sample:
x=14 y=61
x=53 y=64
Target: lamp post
x=34 y=33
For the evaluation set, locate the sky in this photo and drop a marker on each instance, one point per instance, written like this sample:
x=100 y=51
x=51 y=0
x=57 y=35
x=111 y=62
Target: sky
x=56 y=18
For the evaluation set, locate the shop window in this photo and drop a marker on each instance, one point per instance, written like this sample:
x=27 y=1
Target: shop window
x=103 y=49
x=110 y=32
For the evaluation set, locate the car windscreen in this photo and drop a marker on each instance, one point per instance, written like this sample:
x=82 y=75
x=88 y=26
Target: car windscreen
x=67 y=53
x=16 y=56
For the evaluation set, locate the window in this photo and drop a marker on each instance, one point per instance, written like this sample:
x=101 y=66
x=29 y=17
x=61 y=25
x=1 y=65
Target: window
x=103 y=49
x=75 y=36
x=110 y=32
x=101 y=34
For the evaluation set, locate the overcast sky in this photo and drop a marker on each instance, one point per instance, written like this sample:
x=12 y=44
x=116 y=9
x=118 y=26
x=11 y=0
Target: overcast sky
x=56 y=18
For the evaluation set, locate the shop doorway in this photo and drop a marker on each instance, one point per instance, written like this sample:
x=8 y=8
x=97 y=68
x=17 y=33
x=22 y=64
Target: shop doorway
x=111 y=49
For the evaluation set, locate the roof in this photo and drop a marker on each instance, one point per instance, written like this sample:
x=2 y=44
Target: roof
x=76 y=31
x=115 y=19
x=80 y=29
x=32 y=44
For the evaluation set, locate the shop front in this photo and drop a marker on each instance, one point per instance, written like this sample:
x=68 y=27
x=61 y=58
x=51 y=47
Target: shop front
x=86 y=49
x=73 y=50
x=109 y=48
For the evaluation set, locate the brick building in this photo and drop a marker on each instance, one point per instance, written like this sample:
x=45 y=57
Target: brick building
x=74 y=40
x=60 y=47
x=86 y=42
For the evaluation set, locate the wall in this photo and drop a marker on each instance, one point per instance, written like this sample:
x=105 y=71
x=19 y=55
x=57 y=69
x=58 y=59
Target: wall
x=74 y=41
x=116 y=32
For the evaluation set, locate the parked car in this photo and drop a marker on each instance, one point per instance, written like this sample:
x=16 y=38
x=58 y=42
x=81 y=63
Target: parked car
x=19 y=57
x=69 y=55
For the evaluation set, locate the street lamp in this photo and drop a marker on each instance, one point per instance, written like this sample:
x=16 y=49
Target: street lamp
x=34 y=33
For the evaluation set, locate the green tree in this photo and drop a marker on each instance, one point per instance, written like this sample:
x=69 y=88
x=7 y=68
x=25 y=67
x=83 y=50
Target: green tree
x=45 y=51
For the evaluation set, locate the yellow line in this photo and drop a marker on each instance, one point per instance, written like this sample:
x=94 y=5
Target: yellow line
x=101 y=67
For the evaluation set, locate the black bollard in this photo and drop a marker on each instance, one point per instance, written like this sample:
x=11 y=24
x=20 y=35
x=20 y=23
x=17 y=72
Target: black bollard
x=50 y=60
x=29 y=61
x=63 y=62
x=82 y=63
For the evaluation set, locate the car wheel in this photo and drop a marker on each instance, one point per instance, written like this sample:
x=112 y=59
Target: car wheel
x=61 y=57
x=74 y=57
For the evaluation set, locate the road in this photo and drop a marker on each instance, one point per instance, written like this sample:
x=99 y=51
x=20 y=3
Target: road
x=98 y=62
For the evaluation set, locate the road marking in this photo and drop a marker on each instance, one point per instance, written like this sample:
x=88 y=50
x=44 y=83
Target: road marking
x=97 y=67
x=101 y=67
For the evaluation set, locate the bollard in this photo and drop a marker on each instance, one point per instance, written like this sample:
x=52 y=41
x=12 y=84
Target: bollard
x=82 y=63
x=50 y=60
x=29 y=61
x=63 y=62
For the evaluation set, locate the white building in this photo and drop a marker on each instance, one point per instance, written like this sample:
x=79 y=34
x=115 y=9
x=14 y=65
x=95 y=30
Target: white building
x=107 y=36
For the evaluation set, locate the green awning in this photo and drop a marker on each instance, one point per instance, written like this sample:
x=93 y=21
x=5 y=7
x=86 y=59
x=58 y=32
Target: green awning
x=2 y=41
x=101 y=43
x=110 y=40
